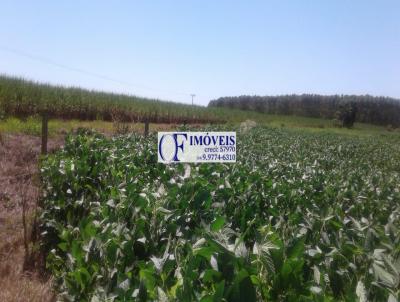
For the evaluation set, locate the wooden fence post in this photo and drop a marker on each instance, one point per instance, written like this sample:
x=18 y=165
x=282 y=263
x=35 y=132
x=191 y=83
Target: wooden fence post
x=44 y=132
x=146 y=127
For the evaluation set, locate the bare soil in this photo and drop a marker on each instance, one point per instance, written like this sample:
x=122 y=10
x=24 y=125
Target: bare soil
x=21 y=277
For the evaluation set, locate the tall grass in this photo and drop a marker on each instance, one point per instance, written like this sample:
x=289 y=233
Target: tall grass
x=27 y=99
x=22 y=98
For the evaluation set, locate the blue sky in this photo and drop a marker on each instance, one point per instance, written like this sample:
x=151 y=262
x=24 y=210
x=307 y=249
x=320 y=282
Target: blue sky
x=169 y=49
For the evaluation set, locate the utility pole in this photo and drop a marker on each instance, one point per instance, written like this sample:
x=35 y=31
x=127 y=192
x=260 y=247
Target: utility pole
x=192 y=95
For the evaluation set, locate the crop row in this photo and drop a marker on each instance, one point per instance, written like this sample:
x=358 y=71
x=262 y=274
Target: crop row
x=299 y=217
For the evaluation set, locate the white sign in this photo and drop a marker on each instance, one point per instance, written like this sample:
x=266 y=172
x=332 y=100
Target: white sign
x=196 y=147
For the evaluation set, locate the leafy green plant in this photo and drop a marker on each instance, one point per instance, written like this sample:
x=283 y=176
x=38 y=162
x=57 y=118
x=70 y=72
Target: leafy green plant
x=309 y=217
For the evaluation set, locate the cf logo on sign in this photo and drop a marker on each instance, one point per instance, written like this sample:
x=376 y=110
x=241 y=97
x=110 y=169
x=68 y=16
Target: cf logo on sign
x=171 y=146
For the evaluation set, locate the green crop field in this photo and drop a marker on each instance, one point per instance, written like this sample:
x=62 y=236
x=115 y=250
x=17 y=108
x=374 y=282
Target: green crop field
x=302 y=216
x=23 y=102
x=210 y=151
x=22 y=98
x=25 y=99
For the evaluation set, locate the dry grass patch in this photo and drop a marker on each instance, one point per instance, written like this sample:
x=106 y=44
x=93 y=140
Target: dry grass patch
x=22 y=277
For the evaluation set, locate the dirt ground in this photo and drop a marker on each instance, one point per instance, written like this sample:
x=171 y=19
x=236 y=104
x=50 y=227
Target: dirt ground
x=20 y=280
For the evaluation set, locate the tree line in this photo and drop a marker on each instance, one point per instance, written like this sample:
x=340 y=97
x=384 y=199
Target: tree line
x=345 y=108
